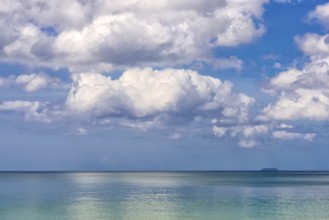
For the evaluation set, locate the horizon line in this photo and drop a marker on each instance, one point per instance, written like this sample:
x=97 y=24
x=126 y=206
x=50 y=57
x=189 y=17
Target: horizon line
x=149 y=171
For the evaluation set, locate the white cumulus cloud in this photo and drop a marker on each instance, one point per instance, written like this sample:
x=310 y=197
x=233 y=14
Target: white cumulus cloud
x=303 y=93
x=314 y=45
x=118 y=34
x=142 y=99
x=321 y=14
x=142 y=93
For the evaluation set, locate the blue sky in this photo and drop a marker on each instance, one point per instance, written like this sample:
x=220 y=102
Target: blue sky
x=163 y=85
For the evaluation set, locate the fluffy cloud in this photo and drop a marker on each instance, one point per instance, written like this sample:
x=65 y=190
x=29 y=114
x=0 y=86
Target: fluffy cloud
x=303 y=93
x=314 y=45
x=321 y=14
x=312 y=104
x=143 y=93
x=147 y=98
x=32 y=82
x=101 y=34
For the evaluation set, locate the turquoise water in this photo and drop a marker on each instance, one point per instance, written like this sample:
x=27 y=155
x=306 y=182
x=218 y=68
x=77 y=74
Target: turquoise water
x=164 y=195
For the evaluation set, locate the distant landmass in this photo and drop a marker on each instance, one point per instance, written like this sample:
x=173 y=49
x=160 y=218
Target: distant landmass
x=270 y=170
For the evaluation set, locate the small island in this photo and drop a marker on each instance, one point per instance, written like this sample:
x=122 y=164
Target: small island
x=269 y=170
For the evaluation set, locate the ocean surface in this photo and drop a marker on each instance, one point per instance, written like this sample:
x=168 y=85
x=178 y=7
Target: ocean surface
x=164 y=195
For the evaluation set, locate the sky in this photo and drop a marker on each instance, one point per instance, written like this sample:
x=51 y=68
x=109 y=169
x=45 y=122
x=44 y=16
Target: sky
x=164 y=85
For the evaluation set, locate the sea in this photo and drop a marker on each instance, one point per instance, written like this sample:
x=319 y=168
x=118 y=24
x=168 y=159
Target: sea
x=202 y=195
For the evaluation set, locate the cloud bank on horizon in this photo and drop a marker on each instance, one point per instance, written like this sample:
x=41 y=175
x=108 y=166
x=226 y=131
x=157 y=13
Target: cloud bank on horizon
x=156 y=45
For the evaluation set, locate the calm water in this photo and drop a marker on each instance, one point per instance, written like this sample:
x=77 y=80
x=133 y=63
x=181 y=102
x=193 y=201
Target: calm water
x=164 y=195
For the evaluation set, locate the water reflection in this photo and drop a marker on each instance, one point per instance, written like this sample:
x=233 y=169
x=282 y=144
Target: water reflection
x=163 y=196
x=123 y=196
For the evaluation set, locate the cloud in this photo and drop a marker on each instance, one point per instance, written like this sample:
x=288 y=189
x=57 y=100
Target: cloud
x=285 y=126
x=321 y=15
x=248 y=135
x=25 y=48
x=144 y=93
x=252 y=135
x=248 y=143
x=314 y=45
x=250 y=131
x=234 y=34
x=145 y=124
x=143 y=99
x=35 y=111
x=219 y=131
x=284 y=135
x=129 y=35
x=302 y=92
x=78 y=132
x=32 y=82
x=146 y=99
x=302 y=103
x=120 y=34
